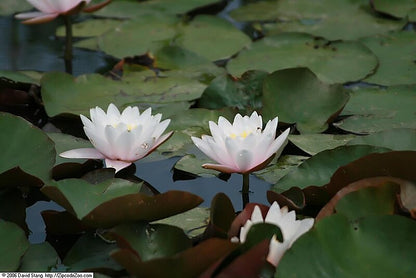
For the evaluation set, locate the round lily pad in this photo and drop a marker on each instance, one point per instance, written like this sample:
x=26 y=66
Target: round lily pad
x=13 y=244
x=315 y=143
x=332 y=62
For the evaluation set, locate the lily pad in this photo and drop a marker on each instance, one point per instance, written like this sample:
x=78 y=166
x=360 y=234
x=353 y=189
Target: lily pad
x=39 y=257
x=193 y=164
x=397 y=139
x=115 y=201
x=332 y=62
x=297 y=96
x=274 y=172
x=17 y=165
x=13 y=245
x=337 y=247
x=63 y=94
x=64 y=142
x=90 y=28
x=203 y=30
x=399 y=9
x=318 y=169
x=315 y=143
x=378 y=109
x=8 y=7
x=395 y=52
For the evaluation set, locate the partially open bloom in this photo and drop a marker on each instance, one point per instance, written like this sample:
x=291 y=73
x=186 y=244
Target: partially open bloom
x=123 y=138
x=241 y=147
x=291 y=229
x=50 y=9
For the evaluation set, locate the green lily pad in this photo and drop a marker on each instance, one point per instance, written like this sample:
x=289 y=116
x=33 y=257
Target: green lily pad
x=152 y=241
x=39 y=257
x=315 y=143
x=397 y=139
x=18 y=165
x=203 y=30
x=332 y=62
x=198 y=117
x=13 y=207
x=90 y=28
x=395 y=53
x=13 y=245
x=64 y=142
x=193 y=164
x=318 y=169
x=399 y=9
x=150 y=34
x=91 y=252
x=377 y=109
x=115 y=201
x=193 y=221
x=274 y=172
x=63 y=94
x=287 y=92
x=243 y=94
x=20 y=76
x=376 y=246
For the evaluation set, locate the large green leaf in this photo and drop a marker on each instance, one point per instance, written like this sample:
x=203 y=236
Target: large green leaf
x=8 y=7
x=398 y=8
x=281 y=168
x=377 y=109
x=376 y=246
x=297 y=96
x=13 y=244
x=395 y=52
x=115 y=201
x=318 y=169
x=332 y=62
x=90 y=28
x=63 y=94
x=397 y=139
x=39 y=257
x=203 y=30
x=64 y=142
x=28 y=155
x=152 y=241
x=315 y=143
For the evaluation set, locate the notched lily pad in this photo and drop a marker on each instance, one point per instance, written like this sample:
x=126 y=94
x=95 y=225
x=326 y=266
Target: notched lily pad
x=115 y=201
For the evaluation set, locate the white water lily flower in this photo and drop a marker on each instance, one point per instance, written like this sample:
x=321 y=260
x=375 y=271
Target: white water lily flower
x=123 y=138
x=50 y=9
x=241 y=147
x=291 y=229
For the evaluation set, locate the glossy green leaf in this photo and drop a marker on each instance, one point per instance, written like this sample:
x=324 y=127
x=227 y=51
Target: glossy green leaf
x=13 y=245
x=324 y=58
x=282 y=167
x=64 y=142
x=193 y=164
x=39 y=257
x=397 y=139
x=315 y=143
x=203 y=30
x=243 y=94
x=152 y=241
x=395 y=53
x=115 y=201
x=397 y=9
x=20 y=76
x=318 y=169
x=8 y=7
x=193 y=221
x=376 y=246
x=297 y=96
x=90 y=28
x=198 y=117
x=378 y=109
x=17 y=163
x=77 y=96
x=91 y=252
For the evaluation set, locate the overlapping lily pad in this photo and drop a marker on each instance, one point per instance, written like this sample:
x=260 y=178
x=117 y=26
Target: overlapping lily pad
x=90 y=28
x=115 y=201
x=324 y=58
x=377 y=109
x=297 y=96
x=398 y=139
x=11 y=6
x=397 y=9
x=18 y=166
x=39 y=257
x=395 y=52
x=315 y=143
x=13 y=244
x=337 y=247
x=63 y=94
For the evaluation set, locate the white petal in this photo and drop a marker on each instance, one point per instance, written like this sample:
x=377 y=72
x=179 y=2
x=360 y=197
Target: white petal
x=116 y=164
x=256 y=216
x=113 y=113
x=274 y=214
x=276 y=251
x=89 y=153
x=278 y=144
x=160 y=128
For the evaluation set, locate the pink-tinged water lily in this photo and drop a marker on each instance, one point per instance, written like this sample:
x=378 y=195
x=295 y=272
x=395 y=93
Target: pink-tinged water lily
x=50 y=9
x=241 y=147
x=123 y=138
x=291 y=229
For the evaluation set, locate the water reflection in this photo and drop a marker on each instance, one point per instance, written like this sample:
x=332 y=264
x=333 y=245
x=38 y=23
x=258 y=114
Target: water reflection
x=35 y=47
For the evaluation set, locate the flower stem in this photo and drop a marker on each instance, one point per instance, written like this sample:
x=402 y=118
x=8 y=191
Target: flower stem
x=68 y=44
x=245 y=191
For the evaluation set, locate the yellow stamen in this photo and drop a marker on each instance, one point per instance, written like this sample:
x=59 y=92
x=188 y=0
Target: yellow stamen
x=243 y=134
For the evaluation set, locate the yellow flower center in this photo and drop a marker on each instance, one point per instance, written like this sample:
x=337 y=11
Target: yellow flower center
x=243 y=134
x=130 y=127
